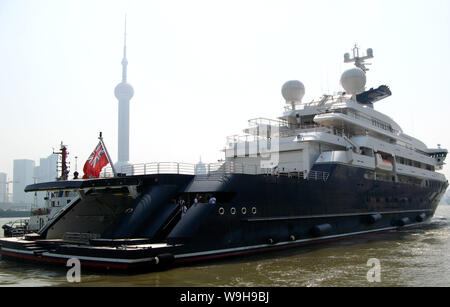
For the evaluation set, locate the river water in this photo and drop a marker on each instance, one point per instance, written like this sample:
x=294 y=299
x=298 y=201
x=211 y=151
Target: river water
x=409 y=257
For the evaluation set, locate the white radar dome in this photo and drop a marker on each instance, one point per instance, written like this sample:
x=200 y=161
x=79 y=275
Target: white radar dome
x=353 y=80
x=293 y=91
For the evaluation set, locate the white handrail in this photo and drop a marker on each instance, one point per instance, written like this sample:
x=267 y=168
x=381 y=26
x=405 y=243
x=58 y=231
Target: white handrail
x=202 y=170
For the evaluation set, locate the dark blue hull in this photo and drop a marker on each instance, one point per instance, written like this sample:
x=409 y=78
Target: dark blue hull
x=270 y=210
x=253 y=213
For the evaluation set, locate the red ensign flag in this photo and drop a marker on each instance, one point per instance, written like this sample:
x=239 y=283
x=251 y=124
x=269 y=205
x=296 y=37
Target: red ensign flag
x=96 y=161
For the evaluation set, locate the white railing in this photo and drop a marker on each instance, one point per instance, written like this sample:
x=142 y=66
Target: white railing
x=307 y=129
x=184 y=169
x=153 y=168
x=318 y=175
x=255 y=122
x=325 y=99
x=207 y=171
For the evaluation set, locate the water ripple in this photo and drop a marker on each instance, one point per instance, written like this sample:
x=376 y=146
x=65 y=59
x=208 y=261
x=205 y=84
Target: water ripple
x=410 y=257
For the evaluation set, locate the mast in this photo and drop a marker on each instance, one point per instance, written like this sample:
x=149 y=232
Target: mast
x=359 y=60
x=63 y=153
x=100 y=137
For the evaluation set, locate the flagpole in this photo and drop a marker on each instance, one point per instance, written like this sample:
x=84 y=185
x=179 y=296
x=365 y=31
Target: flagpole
x=107 y=154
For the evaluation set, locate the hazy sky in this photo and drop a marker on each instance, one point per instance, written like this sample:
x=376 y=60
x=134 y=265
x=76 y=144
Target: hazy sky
x=201 y=69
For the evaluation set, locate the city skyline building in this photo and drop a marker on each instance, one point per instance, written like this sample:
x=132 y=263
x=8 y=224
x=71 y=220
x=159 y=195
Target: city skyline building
x=46 y=171
x=4 y=197
x=23 y=175
x=25 y=172
x=200 y=168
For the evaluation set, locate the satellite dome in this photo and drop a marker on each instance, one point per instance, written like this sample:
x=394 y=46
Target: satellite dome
x=124 y=91
x=353 y=80
x=293 y=91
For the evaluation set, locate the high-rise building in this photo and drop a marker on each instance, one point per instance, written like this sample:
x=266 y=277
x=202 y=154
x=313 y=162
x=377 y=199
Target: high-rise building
x=124 y=92
x=46 y=171
x=3 y=188
x=200 y=168
x=23 y=174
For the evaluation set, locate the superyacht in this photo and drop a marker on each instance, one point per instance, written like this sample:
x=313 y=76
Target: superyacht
x=324 y=170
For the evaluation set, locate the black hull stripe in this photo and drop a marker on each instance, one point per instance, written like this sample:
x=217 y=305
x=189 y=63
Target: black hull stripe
x=303 y=217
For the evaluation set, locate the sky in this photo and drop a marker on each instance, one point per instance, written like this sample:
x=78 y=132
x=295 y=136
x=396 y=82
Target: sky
x=201 y=69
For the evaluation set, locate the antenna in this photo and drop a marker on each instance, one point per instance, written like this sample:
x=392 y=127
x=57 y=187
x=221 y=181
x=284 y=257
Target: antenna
x=63 y=163
x=359 y=60
x=124 y=60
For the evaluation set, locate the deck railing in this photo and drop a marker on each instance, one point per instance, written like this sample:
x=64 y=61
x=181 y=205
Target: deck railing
x=207 y=171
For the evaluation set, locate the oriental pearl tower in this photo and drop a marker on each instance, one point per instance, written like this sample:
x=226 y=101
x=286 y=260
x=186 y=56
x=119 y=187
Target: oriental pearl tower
x=124 y=92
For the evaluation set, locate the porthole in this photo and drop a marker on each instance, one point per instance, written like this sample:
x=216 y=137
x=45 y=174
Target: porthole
x=244 y=210
x=221 y=210
x=233 y=210
x=254 y=210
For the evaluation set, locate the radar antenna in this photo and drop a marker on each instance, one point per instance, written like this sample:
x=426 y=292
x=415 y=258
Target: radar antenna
x=359 y=60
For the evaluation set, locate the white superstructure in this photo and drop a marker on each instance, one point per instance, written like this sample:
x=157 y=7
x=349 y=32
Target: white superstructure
x=342 y=128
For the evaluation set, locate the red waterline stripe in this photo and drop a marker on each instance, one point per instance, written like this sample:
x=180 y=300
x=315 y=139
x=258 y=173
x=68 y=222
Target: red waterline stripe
x=64 y=261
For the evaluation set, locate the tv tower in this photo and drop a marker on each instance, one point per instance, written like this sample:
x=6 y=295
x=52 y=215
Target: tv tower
x=124 y=92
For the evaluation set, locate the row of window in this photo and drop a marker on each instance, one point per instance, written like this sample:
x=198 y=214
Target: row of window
x=439 y=155
x=382 y=125
x=400 y=160
x=414 y=163
x=233 y=210
x=370 y=175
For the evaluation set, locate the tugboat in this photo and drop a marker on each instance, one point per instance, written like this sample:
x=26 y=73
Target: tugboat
x=324 y=170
